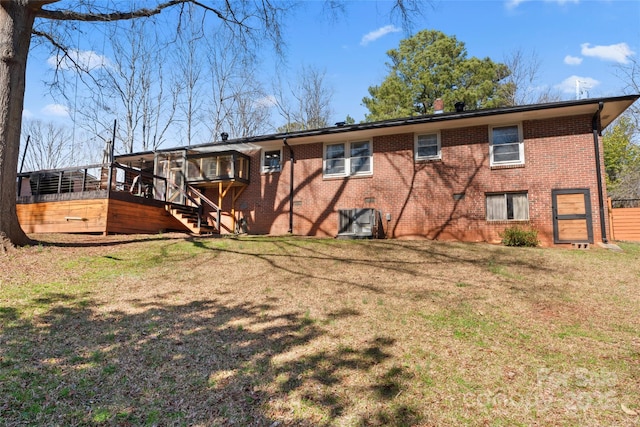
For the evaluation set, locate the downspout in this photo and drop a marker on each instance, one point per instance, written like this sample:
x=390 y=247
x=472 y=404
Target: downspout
x=293 y=160
x=595 y=124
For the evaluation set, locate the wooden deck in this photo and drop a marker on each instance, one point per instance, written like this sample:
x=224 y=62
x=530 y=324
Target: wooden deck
x=95 y=212
x=114 y=198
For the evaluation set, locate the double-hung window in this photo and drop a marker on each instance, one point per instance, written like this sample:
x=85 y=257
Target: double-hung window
x=360 y=159
x=334 y=159
x=507 y=146
x=347 y=158
x=271 y=160
x=507 y=207
x=427 y=146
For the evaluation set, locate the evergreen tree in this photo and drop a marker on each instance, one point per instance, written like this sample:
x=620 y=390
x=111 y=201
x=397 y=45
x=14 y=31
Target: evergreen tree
x=432 y=65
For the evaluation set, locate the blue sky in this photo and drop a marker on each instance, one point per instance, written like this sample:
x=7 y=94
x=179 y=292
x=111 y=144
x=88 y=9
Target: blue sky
x=573 y=40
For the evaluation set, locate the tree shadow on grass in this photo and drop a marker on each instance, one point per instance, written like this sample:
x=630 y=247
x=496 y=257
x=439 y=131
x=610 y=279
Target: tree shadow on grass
x=200 y=363
x=502 y=265
x=95 y=240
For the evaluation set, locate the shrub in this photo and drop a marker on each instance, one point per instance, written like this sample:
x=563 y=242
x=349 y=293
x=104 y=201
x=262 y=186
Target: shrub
x=516 y=236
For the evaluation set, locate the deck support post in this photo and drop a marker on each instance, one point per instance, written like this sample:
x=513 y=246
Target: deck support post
x=236 y=194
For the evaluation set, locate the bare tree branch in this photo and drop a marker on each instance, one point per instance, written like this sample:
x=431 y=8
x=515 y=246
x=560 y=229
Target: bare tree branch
x=72 y=15
x=408 y=11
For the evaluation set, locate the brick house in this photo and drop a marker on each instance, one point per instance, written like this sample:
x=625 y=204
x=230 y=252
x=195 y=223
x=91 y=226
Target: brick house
x=464 y=175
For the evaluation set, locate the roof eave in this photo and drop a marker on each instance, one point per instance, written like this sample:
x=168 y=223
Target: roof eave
x=613 y=107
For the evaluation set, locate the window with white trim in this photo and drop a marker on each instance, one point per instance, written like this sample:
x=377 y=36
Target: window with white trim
x=507 y=145
x=348 y=158
x=507 y=207
x=427 y=146
x=271 y=160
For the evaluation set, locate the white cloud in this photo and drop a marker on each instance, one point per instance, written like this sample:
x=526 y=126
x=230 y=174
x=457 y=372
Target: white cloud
x=27 y=114
x=619 y=53
x=57 y=110
x=572 y=60
x=87 y=59
x=266 y=101
x=376 y=34
x=568 y=85
x=512 y=4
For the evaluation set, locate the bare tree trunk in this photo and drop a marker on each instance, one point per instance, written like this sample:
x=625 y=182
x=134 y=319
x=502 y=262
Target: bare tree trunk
x=16 y=22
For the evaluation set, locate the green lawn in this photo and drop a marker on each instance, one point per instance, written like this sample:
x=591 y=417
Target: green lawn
x=172 y=330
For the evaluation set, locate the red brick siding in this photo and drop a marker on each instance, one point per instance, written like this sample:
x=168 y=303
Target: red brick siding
x=559 y=154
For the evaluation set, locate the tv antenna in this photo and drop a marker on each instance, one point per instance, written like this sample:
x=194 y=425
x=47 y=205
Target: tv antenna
x=582 y=92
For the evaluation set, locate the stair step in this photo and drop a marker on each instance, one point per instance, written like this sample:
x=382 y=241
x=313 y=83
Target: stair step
x=189 y=217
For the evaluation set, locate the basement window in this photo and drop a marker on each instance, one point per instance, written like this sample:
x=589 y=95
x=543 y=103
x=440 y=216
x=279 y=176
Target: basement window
x=507 y=207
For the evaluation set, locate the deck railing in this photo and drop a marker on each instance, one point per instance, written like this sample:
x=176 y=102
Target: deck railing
x=81 y=181
x=57 y=181
x=138 y=182
x=214 y=210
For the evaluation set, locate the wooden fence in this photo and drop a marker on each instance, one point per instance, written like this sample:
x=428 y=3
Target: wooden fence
x=625 y=221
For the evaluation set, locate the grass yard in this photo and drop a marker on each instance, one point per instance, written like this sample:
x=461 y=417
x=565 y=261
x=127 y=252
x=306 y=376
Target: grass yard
x=254 y=331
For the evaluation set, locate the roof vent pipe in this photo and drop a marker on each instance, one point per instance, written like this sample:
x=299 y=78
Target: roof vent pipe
x=459 y=107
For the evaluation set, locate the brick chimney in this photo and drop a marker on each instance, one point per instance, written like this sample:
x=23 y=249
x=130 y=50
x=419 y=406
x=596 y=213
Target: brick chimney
x=438 y=106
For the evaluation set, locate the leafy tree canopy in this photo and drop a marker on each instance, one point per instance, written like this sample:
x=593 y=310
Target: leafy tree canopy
x=432 y=65
x=622 y=159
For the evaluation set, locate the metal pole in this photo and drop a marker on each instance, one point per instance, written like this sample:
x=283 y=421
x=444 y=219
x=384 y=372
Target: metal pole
x=111 y=149
x=26 y=147
x=113 y=141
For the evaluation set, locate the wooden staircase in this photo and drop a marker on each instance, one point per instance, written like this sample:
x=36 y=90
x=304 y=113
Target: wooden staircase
x=188 y=216
x=192 y=215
